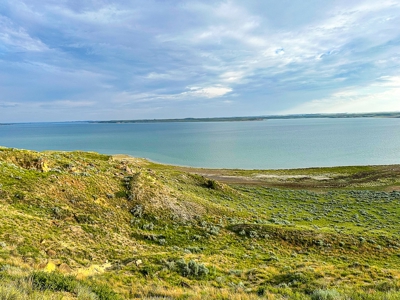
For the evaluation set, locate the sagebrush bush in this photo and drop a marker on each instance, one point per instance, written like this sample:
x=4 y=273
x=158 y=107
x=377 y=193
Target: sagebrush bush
x=325 y=295
x=191 y=269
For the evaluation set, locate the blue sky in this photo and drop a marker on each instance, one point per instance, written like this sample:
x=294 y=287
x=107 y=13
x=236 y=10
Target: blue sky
x=64 y=60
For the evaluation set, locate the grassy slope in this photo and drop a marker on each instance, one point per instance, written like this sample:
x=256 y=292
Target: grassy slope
x=128 y=228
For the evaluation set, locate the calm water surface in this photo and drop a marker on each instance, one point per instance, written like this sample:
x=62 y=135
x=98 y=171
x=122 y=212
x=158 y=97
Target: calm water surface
x=271 y=144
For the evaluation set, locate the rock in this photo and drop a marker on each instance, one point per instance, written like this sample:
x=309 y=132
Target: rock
x=51 y=253
x=138 y=262
x=64 y=268
x=76 y=229
x=128 y=170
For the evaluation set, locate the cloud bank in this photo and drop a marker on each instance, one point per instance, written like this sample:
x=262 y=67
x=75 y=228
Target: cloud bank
x=99 y=60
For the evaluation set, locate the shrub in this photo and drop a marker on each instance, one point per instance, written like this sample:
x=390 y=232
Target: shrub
x=85 y=293
x=325 y=295
x=211 y=184
x=104 y=292
x=59 y=213
x=194 y=249
x=191 y=269
x=121 y=194
x=83 y=219
x=214 y=230
x=148 y=226
x=137 y=211
x=253 y=234
x=54 y=282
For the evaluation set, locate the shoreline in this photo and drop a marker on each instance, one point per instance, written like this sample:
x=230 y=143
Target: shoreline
x=240 y=169
x=382 y=177
x=131 y=157
x=314 y=178
x=385 y=115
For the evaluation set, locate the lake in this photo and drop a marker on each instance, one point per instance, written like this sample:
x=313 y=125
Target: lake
x=269 y=144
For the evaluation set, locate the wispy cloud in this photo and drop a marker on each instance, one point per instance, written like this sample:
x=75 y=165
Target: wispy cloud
x=380 y=96
x=207 y=92
x=164 y=59
x=66 y=104
x=8 y=104
x=16 y=38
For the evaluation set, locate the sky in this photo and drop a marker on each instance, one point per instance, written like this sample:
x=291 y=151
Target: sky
x=71 y=60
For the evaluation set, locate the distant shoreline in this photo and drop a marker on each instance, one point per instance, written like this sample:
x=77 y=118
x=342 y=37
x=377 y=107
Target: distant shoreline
x=391 y=115
x=256 y=118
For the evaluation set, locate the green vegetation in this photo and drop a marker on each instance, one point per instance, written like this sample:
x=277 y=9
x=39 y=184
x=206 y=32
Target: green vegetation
x=79 y=225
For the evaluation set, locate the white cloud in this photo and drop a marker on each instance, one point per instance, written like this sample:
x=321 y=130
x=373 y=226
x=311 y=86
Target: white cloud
x=170 y=75
x=380 y=96
x=318 y=47
x=106 y=14
x=17 y=37
x=154 y=75
x=232 y=76
x=207 y=92
x=192 y=92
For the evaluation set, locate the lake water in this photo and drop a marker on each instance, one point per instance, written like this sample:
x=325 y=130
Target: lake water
x=271 y=144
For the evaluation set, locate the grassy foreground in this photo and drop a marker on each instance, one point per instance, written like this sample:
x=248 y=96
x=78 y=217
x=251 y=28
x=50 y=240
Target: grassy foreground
x=79 y=225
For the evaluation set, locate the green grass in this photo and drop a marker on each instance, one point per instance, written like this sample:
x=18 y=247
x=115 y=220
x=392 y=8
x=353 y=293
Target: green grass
x=131 y=228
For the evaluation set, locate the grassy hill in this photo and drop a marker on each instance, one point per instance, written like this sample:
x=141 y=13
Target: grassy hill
x=80 y=225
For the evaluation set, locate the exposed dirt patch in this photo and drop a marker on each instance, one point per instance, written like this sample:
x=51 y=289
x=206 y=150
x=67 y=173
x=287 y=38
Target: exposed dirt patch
x=381 y=177
x=285 y=177
x=375 y=177
x=393 y=188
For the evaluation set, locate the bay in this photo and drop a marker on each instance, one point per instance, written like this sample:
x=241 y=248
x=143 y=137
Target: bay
x=270 y=144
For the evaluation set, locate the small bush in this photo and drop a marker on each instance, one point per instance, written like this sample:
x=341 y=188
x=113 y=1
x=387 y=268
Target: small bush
x=85 y=293
x=137 y=211
x=104 y=292
x=84 y=219
x=148 y=226
x=325 y=295
x=253 y=234
x=54 y=282
x=27 y=250
x=59 y=213
x=211 y=184
x=191 y=269
x=121 y=194
x=214 y=230
x=19 y=196
x=194 y=249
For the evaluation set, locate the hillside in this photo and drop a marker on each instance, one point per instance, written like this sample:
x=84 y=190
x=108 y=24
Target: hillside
x=81 y=225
